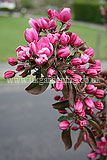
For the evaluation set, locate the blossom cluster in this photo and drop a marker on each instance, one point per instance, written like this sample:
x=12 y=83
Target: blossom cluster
x=55 y=51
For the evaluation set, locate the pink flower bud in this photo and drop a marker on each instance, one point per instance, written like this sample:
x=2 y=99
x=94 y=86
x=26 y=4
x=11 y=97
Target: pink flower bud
x=33 y=47
x=34 y=24
x=89 y=111
x=57 y=97
x=64 y=14
x=12 y=61
x=77 y=42
x=76 y=79
x=89 y=103
x=62 y=99
x=64 y=125
x=23 y=53
x=53 y=38
x=81 y=68
x=69 y=73
x=63 y=52
x=90 y=89
x=89 y=51
x=91 y=155
x=96 y=66
x=82 y=123
x=91 y=72
x=20 y=67
x=30 y=35
x=84 y=58
x=9 y=74
x=44 y=23
x=99 y=105
x=39 y=61
x=76 y=61
x=103 y=139
x=50 y=13
x=74 y=128
x=64 y=39
x=99 y=93
x=58 y=86
x=73 y=38
x=78 y=107
x=50 y=72
x=62 y=111
x=52 y=24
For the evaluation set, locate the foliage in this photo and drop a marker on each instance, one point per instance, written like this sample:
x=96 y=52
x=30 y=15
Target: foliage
x=87 y=11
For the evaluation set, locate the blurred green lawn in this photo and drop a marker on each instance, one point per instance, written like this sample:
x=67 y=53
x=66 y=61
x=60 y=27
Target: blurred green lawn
x=12 y=35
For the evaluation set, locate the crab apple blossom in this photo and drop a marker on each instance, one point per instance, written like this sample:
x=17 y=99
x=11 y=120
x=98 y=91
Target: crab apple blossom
x=77 y=42
x=50 y=72
x=99 y=105
x=89 y=103
x=91 y=155
x=69 y=73
x=91 y=72
x=99 y=93
x=89 y=111
x=82 y=123
x=44 y=47
x=20 y=67
x=73 y=38
x=62 y=99
x=57 y=97
x=23 y=53
x=64 y=14
x=50 y=13
x=78 y=107
x=76 y=61
x=64 y=125
x=81 y=68
x=64 y=39
x=58 y=86
x=62 y=111
x=63 y=52
x=96 y=66
x=90 y=89
x=89 y=51
x=30 y=35
x=76 y=79
x=9 y=74
x=34 y=23
x=74 y=128
x=102 y=147
x=12 y=61
x=84 y=58
x=53 y=38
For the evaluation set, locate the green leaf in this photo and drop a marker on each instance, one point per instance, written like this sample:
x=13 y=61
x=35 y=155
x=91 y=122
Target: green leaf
x=65 y=90
x=63 y=118
x=72 y=95
x=66 y=138
x=80 y=139
x=95 y=125
x=61 y=105
x=37 y=87
x=90 y=138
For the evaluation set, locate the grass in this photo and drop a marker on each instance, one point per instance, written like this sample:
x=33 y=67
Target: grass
x=12 y=35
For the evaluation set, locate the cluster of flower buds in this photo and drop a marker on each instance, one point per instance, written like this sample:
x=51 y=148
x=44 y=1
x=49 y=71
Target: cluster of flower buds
x=54 y=52
x=101 y=149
